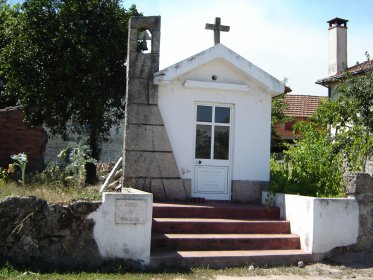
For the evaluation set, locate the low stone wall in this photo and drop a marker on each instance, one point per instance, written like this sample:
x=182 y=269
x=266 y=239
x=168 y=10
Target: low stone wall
x=360 y=186
x=48 y=236
x=81 y=236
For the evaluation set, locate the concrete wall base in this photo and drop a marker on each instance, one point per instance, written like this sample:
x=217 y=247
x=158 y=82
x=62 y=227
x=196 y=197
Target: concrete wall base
x=248 y=191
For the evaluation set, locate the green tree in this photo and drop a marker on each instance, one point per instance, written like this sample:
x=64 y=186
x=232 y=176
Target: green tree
x=66 y=65
x=8 y=15
x=278 y=116
x=311 y=167
x=338 y=138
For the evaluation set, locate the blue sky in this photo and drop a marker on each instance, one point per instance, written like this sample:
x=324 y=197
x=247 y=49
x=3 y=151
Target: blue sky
x=286 y=38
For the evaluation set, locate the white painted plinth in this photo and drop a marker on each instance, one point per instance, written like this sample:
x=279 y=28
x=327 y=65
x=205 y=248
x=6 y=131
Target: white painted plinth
x=322 y=223
x=123 y=225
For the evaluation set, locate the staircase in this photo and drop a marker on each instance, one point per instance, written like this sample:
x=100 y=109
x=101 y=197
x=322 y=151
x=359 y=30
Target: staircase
x=221 y=234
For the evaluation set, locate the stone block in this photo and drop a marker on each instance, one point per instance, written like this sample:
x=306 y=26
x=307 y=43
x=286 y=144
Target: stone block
x=363 y=221
x=142 y=184
x=138 y=90
x=158 y=190
x=147 y=138
x=356 y=183
x=153 y=23
x=132 y=40
x=365 y=199
x=248 y=191
x=142 y=65
x=171 y=189
x=143 y=114
x=153 y=93
x=156 y=38
x=150 y=164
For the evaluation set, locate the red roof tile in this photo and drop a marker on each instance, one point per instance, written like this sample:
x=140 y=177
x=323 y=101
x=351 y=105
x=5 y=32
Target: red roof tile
x=302 y=105
x=364 y=66
x=359 y=68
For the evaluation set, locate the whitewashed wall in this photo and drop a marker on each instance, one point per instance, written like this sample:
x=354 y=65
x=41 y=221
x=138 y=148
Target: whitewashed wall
x=251 y=119
x=322 y=223
x=124 y=240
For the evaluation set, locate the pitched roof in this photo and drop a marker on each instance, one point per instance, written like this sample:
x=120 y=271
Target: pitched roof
x=219 y=51
x=302 y=105
x=357 y=69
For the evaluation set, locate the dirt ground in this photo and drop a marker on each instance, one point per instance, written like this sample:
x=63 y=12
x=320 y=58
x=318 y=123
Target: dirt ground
x=341 y=265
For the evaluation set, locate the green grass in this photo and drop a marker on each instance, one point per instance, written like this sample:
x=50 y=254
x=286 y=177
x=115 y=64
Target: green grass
x=52 y=192
x=315 y=270
x=8 y=272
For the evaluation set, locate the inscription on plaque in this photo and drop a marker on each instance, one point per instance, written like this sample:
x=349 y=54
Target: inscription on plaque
x=130 y=211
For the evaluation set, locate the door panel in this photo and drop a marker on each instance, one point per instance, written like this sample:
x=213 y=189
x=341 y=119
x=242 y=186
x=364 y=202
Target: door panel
x=212 y=151
x=211 y=179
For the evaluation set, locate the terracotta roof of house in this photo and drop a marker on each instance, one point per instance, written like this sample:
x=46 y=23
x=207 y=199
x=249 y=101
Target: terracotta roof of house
x=302 y=105
x=359 y=68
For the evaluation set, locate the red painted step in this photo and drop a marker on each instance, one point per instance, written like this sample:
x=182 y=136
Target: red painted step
x=221 y=234
x=215 y=210
x=223 y=259
x=200 y=242
x=194 y=225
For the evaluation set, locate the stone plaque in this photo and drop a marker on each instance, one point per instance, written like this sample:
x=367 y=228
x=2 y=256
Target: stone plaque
x=130 y=211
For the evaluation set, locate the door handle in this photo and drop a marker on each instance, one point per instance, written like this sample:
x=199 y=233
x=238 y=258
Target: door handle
x=199 y=162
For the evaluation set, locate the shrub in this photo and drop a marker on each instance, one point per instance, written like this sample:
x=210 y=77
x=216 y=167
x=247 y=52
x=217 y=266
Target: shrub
x=76 y=155
x=310 y=168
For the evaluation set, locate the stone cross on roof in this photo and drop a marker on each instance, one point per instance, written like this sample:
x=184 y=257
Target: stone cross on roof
x=217 y=27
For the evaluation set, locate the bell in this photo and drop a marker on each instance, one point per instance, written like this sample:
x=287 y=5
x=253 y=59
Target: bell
x=143 y=45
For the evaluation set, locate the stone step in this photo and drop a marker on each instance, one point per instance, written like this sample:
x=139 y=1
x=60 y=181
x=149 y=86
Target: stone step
x=231 y=258
x=194 y=225
x=215 y=210
x=199 y=242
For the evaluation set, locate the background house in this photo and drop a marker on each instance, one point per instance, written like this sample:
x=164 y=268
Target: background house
x=299 y=108
x=16 y=137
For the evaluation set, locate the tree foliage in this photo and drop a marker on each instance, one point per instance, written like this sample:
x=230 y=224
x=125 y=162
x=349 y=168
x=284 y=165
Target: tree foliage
x=8 y=15
x=311 y=167
x=338 y=139
x=278 y=116
x=66 y=64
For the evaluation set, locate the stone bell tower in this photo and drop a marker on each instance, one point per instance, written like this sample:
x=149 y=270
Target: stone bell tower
x=148 y=160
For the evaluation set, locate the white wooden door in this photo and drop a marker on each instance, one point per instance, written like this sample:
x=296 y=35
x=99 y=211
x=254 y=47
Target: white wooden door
x=212 y=152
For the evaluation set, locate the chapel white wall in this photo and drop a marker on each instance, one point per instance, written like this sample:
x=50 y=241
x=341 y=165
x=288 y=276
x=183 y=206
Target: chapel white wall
x=251 y=120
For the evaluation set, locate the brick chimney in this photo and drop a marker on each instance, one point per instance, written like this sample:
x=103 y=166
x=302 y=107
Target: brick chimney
x=337 y=45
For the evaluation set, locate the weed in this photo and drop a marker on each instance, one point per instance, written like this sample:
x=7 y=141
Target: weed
x=20 y=161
